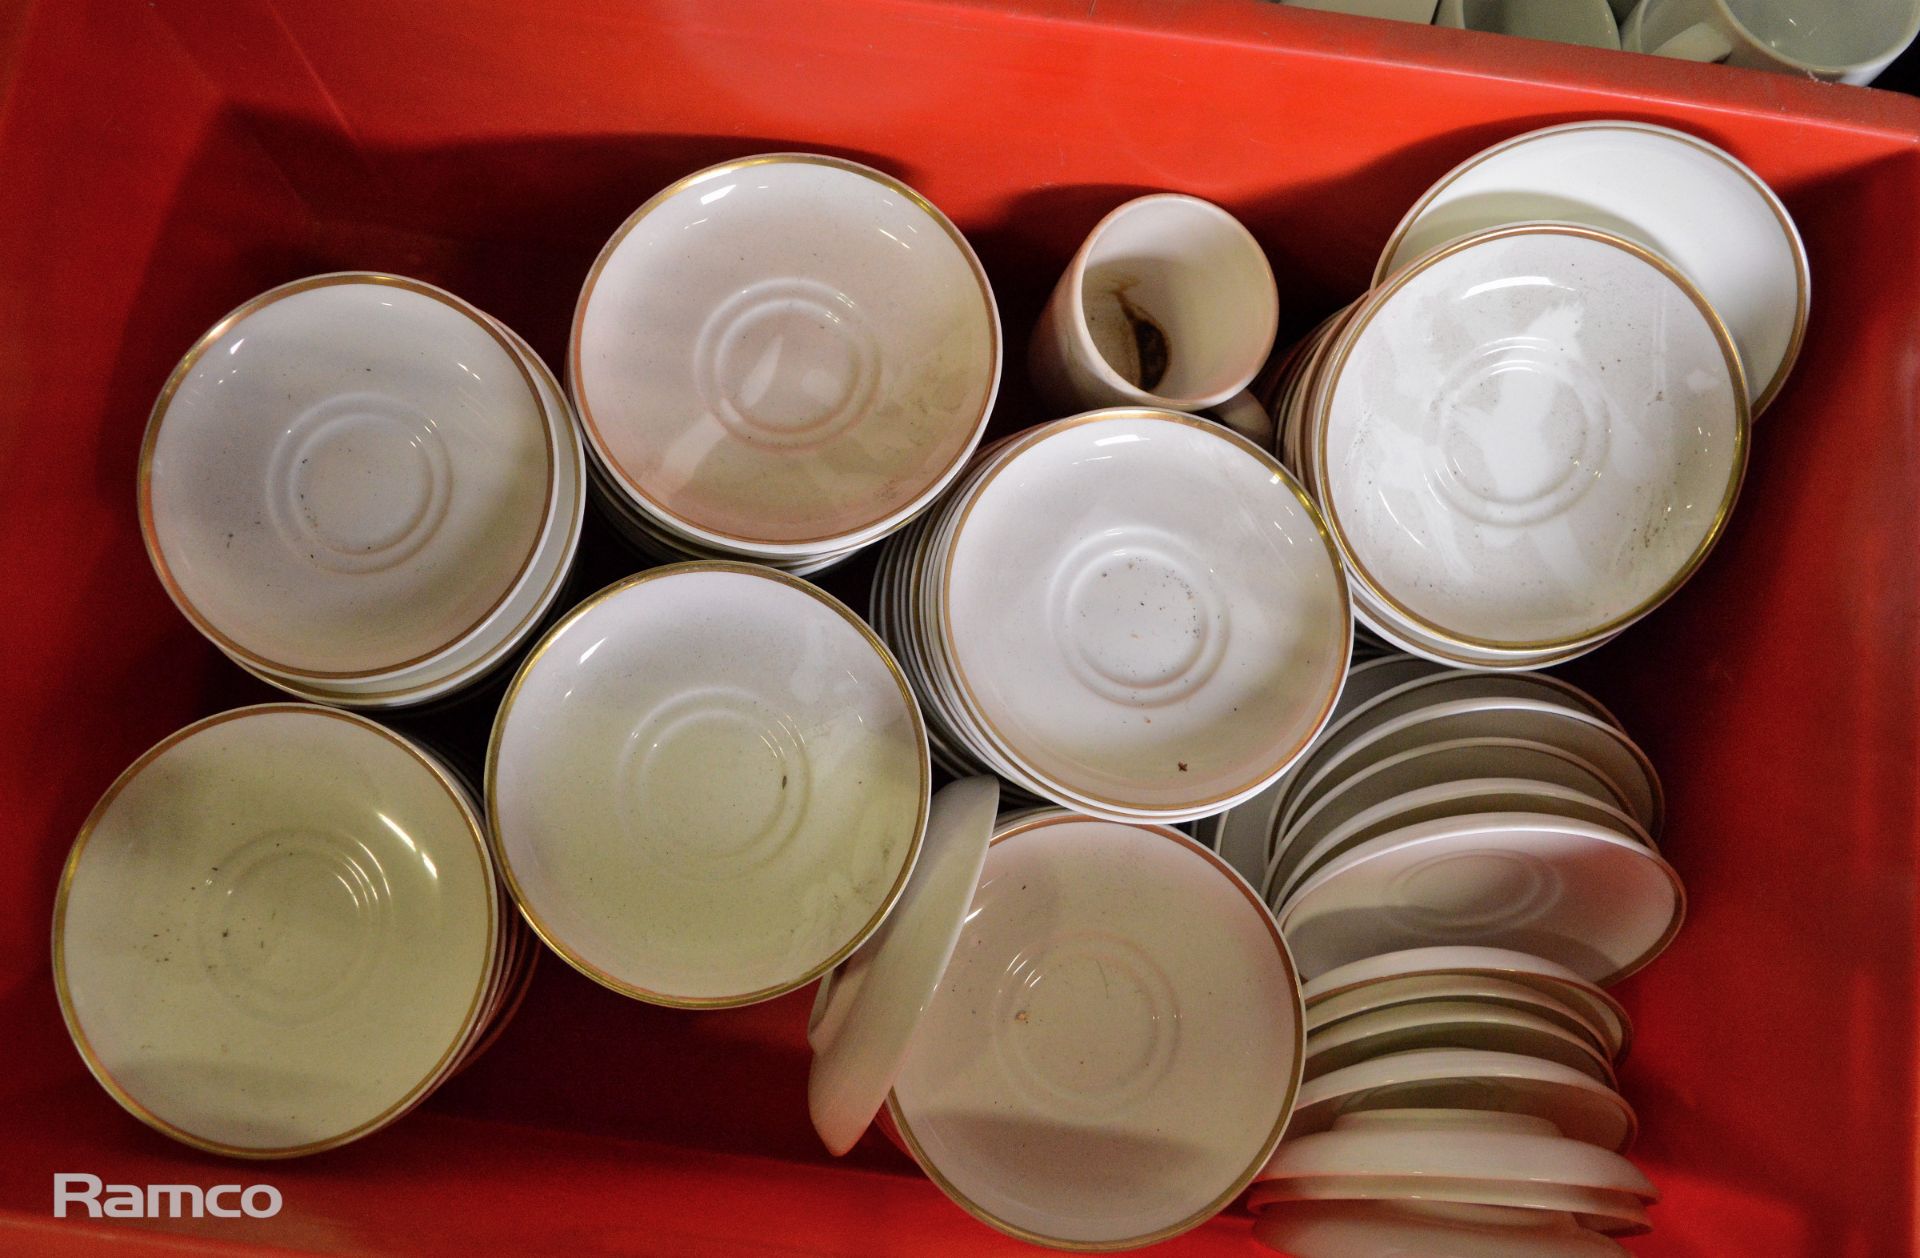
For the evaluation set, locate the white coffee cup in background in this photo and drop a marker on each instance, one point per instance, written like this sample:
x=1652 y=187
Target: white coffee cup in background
x=1587 y=22
x=1169 y=302
x=1845 y=41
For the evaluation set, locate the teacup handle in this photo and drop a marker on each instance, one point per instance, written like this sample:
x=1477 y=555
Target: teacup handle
x=1245 y=415
x=1703 y=41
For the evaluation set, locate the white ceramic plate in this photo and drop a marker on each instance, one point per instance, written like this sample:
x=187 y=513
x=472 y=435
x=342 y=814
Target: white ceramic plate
x=1375 y=1229
x=1379 y=976
x=1478 y=989
x=1592 y=740
x=346 y=477
x=1530 y=438
x=277 y=931
x=866 y=1010
x=1608 y=1213
x=1453 y=1024
x=1692 y=202
x=1463 y=1078
x=785 y=353
x=1442 y=1144
x=1587 y=897
x=1145 y=607
x=1093 y=1071
x=1316 y=848
x=708 y=784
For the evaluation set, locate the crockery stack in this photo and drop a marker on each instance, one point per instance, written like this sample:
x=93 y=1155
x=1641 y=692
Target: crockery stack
x=781 y=359
x=363 y=490
x=280 y=930
x=1133 y=613
x=1056 y=1044
x=1533 y=429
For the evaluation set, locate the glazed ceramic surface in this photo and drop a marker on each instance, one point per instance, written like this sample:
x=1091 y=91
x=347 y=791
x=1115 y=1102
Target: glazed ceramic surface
x=1169 y=303
x=1587 y=897
x=1587 y=22
x=708 y=784
x=1383 y=973
x=785 y=352
x=1531 y=437
x=1371 y=1229
x=1458 y=1078
x=346 y=476
x=1689 y=201
x=276 y=931
x=1453 y=1024
x=1846 y=43
x=867 y=1010
x=1093 y=1071
x=1146 y=608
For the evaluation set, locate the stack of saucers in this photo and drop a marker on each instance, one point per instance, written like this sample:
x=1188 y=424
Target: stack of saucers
x=1457 y=1100
x=280 y=930
x=1133 y=613
x=363 y=490
x=1534 y=427
x=1056 y=1045
x=781 y=359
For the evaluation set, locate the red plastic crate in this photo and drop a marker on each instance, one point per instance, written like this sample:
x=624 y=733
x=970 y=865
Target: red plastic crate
x=160 y=162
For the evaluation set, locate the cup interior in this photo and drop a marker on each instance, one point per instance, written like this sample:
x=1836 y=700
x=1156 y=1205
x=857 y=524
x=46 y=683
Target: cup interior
x=1825 y=33
x=1178 y=298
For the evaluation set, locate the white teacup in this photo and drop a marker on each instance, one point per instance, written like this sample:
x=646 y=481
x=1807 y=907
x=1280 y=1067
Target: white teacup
x=1169 y=303
x=1845 y=41
x=1588 y=22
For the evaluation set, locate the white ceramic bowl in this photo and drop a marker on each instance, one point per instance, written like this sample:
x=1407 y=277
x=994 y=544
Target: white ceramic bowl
x=277 y=931
x=785 y=354
x=1689 y=201
x=1095 y=1073
x=347 y=477
x=1529 y=438
x=1142 y=610
x=708 y=784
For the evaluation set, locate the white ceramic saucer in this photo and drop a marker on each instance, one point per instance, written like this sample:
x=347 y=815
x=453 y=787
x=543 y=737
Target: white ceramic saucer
x=1311 y=848
x=708 y=784
x=1597 y=1209
x=866 y=1011
x=1146 y=609
x=1374 y=979
x=1530 y=438
x=1692 y=202
x=1444 y=1144
x=1453 y=760
x=785 y=354
x=1453 y=1024
x=1373 y=1229
x=1461 y=1078
x=277 y=931
x=1094 y=1072
x=1588 y=897
x=346 y=477
x=1592 y=740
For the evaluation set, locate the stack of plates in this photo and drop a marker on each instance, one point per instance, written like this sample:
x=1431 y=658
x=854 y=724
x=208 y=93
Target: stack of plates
x=1133 y=613
x=1534 y=427
x=280 y=930
x=1457 y=1100
x=1069 y=1058
x=1444 y=806
x=781 y=359
x=363 y=490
